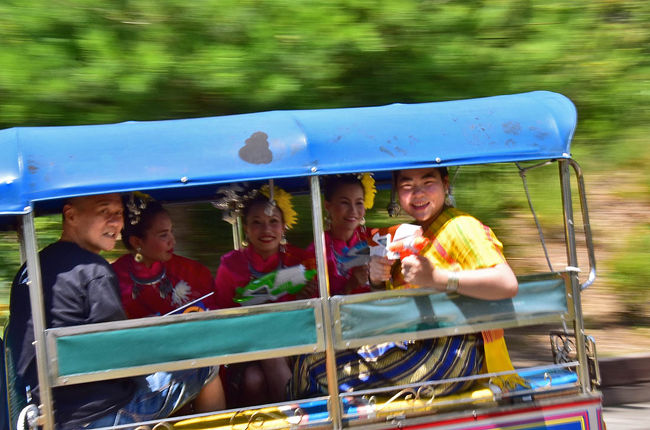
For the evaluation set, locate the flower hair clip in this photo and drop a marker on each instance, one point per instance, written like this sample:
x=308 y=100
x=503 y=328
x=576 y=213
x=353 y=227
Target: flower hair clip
x=282 y=200
x=369 y=189
x=136 y=204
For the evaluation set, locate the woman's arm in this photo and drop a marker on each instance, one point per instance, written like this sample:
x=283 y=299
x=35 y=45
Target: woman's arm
x=224 y=287
x=491 y=283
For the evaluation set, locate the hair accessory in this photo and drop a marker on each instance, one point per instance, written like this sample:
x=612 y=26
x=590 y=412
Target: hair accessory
x=231 y=203
x=282 y=200
x=235 y=197
x=135 y=205
x=268 y=210
x=369 y=189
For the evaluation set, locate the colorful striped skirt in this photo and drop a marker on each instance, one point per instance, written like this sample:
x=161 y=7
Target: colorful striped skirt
x=393 y=364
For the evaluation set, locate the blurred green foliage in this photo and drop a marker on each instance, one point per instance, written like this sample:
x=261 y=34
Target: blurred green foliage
x=631 y=274
x=86 y=62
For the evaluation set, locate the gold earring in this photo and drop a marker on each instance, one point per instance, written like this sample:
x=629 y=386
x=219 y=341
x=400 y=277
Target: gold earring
x=138 y=256
x=363 y=220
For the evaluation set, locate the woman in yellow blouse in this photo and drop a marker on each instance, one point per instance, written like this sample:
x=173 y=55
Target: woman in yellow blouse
x=463 y=257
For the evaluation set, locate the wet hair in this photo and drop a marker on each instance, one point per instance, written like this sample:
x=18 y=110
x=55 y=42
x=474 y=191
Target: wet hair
x=332 y=183
x=259 y=199
x=143 y=223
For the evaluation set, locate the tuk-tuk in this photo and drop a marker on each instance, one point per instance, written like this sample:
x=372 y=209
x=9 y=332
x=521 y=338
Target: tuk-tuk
x=189 y=160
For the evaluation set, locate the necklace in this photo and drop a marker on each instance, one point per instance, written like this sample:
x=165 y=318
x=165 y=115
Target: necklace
x=164 y=288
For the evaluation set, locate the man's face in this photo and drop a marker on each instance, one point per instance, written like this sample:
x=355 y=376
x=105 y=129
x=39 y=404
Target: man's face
x=95 y=222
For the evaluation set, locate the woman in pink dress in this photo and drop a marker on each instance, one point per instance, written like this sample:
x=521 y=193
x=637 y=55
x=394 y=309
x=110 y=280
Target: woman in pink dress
x=265 y=222
x=346 y=242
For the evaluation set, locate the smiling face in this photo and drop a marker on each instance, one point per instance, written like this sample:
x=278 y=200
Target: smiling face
x=93 y=222
x=264 y=232
x=421 y=193
x=157 y=243
x=346 y=209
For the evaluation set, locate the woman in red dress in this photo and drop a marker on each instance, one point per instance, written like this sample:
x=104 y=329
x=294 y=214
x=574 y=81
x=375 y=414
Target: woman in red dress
x=153 y=280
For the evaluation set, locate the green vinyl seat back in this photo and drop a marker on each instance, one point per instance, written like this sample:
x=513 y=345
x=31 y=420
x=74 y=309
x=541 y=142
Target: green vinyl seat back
x=539 y=297
x=143 y=347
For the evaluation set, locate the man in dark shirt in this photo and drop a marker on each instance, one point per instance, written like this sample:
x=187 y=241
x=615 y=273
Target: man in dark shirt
x=80 y=287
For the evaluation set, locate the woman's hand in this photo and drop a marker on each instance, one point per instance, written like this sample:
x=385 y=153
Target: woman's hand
x=418 y=270
x=379 y=269
x=358 y=278
x=309 y=291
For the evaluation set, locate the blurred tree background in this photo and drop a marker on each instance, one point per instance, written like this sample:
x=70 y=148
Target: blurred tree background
x=86 y=62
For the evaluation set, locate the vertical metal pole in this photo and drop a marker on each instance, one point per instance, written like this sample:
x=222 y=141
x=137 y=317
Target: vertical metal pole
x=38 y=318
x=323 y=288
x=236 y=234
x=21 y=242
x=572 y=258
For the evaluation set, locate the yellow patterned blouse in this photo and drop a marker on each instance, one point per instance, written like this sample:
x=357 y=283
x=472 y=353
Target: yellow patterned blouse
x=458 y=242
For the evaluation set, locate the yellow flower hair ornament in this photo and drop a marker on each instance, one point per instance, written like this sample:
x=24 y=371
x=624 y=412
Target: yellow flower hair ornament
x=369 y=190
x=282 y=200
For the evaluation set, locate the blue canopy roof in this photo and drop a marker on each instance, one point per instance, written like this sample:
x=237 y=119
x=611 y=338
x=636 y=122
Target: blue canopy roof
x=46 y=164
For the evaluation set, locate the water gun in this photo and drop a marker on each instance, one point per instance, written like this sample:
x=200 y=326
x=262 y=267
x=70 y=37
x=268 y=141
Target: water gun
x=407 y=246
x=274 y=285
x=398 y=241
x=358 y=255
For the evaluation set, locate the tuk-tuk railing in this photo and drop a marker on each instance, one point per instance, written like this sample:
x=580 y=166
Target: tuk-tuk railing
x=582 y=193
x=132 y=347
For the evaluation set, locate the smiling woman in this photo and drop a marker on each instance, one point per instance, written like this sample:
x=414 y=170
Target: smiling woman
x=266 y=216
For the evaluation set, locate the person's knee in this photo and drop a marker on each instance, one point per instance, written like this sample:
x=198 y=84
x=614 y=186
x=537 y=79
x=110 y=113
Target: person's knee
x=211 y=397
x=254 y=379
